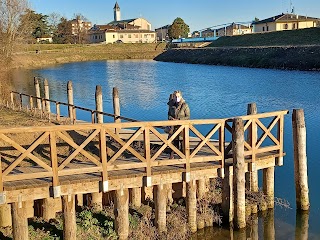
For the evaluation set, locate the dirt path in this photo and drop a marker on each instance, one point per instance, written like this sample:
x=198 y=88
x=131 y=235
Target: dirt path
x=11 y=118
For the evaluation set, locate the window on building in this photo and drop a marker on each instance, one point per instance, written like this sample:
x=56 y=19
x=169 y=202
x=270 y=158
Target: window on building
x=263 y=29
x=146 y=36
x=129 y=36
x=114 y=36
x=285 y=26
x=121 y=36
x=294 y=26
x=267 y=28
x=96 y=37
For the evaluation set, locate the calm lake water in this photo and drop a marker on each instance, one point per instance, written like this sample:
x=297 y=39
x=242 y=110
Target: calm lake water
x=212 y=92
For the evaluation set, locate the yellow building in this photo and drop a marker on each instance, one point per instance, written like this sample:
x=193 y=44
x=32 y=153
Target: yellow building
x=285 y=22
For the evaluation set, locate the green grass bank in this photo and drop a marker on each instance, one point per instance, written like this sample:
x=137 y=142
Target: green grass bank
x=291 y=50
x=39 y=55
x=310 y=36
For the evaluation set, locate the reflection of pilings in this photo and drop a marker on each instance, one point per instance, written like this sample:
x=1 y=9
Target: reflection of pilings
x=300 y=159
x=268 y=225
x=254 y=227
x=302 y=225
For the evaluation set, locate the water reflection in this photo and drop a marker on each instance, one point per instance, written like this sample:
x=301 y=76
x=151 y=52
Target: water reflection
x=264 y=229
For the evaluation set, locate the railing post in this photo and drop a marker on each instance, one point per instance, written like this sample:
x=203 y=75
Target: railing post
x=252 y=174
x=104 y=160
x=222 y=148
x=47 y=96
x=147 y=155
x=70 y=100
x=239 y=173
x=37 y=88
x=99 y=104
x=116 y=107
x=54 y=164
x=186 y=148
x=300 y=159
x=280 y=139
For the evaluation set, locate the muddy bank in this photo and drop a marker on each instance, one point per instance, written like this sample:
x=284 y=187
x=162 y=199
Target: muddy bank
x=291 y=58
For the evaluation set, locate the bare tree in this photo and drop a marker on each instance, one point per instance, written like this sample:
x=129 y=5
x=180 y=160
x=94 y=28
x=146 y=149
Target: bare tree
x=11 y=12
x=54 y=20
x=81 y=29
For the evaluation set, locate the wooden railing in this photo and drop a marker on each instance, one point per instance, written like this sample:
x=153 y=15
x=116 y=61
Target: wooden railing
x=32 y=102
x=96 y=148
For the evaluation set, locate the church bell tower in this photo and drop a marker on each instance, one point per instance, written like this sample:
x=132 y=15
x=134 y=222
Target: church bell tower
x=117 y=14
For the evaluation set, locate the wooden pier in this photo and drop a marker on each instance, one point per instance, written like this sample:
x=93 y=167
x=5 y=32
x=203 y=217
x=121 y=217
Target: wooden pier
x=59 y=164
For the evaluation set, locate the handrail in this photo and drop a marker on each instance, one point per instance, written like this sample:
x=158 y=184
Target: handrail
x=200 y=148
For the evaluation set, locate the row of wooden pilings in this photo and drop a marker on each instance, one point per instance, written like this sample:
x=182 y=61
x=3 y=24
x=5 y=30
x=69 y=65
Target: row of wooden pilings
x=42 y=104
x=235 y=184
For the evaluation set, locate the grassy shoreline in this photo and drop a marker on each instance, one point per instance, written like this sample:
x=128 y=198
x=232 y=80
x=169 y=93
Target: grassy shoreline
x=41 y=55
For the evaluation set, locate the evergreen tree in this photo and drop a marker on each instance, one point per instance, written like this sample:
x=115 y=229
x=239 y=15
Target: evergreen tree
x=178 y=29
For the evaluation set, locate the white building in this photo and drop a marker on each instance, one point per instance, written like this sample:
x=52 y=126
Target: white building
x=135 y=30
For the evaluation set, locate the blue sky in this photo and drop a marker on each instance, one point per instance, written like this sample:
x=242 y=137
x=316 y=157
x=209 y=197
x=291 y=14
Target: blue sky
x=198 y=14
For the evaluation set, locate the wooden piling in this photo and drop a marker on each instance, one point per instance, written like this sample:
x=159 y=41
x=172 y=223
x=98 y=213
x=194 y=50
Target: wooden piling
x=227 y=195
x=5 y=215
x=161 y=207
x=96 y=201
x=169 y=194
x=252 y=175
x=79 y=199
x=122 y=213
x=136 y=197
x=69 y=217
x=19 y=221
x=70 y=101
x=201 y=188
x=192 y=205
x=37 y=88
x=30 y=209
x=239 y=173
x=47 y=96
x=99 y=104
x=300 y=159
x=116 y=107
x=268 y=186
x=49 y=208
x=147 y=193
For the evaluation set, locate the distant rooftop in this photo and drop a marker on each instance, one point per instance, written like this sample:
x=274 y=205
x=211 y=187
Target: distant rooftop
x=286 y=17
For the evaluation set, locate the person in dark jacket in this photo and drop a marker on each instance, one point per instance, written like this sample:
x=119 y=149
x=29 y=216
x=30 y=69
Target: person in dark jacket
x=178 y=110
